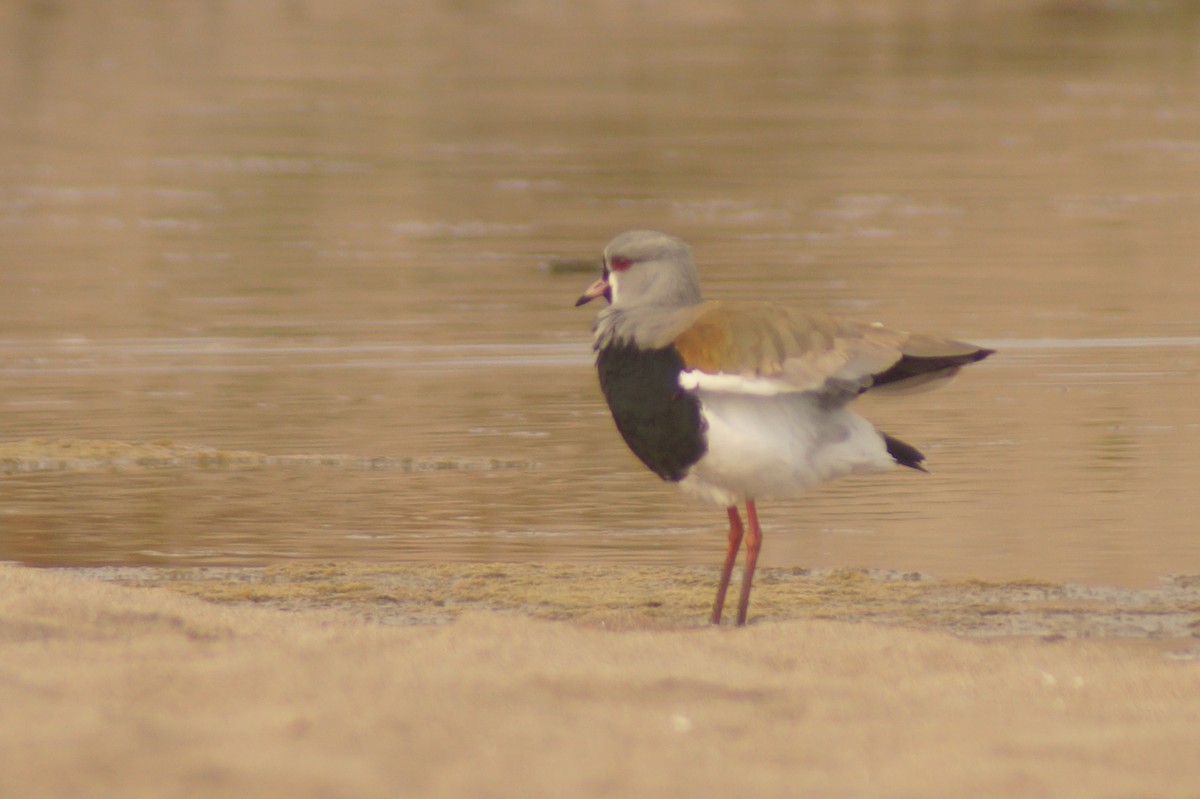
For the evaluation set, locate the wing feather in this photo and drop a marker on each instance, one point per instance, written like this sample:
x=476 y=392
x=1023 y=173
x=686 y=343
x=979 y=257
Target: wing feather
x=763 y=348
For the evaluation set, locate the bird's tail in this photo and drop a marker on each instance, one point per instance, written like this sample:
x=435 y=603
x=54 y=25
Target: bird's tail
x=905 y=454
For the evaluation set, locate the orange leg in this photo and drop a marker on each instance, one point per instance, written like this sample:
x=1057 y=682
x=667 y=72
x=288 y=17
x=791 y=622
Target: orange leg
x=735 y=541
x=753 y=544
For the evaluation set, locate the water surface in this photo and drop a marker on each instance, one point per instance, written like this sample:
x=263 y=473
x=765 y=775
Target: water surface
x=321 y=229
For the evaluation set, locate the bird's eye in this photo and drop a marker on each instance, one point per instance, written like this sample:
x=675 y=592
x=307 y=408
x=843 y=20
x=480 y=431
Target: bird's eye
x=620 y=263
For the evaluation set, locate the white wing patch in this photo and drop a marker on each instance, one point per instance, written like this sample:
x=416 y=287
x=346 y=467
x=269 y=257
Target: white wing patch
x=693 y=379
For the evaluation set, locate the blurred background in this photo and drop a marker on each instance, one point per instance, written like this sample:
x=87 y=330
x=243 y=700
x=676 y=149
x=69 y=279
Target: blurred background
x=355 y=230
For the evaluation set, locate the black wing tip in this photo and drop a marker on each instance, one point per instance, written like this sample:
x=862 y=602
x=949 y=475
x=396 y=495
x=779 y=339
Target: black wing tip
x=911 y=367
x=904 y=453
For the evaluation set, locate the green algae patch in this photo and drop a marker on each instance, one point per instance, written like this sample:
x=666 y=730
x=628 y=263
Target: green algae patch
x=83 y=455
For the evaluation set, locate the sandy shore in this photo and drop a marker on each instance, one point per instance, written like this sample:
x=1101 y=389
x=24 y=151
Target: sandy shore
x=110 y=690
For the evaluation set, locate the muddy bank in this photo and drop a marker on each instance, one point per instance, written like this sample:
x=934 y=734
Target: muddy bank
x=665 y=597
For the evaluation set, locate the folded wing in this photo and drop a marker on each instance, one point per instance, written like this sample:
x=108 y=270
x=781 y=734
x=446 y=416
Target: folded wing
x=767 y=349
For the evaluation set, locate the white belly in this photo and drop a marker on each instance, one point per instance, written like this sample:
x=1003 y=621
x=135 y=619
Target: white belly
x=762 y=446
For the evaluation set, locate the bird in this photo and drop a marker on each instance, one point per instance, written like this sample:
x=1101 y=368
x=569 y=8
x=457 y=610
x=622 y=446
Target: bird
x=735 y=401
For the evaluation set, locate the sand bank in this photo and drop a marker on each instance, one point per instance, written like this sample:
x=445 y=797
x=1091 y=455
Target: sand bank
x=144 y=692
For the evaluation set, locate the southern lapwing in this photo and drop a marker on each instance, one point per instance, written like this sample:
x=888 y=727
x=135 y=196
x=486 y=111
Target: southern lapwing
x=736 y=401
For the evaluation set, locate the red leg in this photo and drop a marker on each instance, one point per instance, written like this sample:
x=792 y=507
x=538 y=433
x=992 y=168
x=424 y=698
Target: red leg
x=753 y=544
x=735 y=541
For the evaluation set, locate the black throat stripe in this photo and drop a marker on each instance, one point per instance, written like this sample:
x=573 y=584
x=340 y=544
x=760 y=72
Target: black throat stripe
x=658 y=420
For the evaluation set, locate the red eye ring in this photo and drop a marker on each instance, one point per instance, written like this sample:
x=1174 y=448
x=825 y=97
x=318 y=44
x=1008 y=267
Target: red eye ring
x=619 y=263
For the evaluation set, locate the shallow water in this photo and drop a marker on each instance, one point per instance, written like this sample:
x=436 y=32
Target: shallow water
x=323 y=229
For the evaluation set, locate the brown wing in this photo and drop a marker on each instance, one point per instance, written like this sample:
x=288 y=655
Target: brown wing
x=814 y=351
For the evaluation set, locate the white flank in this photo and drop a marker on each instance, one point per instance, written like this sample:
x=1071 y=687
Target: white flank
x=779 y=446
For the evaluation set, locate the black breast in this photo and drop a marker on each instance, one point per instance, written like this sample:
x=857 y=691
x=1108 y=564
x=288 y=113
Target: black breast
x=658 y=420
